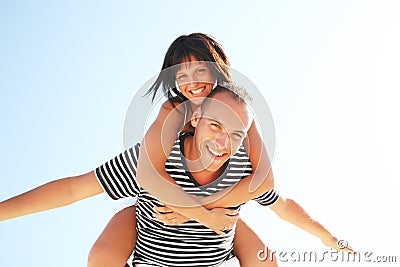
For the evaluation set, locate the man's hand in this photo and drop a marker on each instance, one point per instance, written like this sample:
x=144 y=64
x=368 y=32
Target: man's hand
x=220 y=219
x=338 y=245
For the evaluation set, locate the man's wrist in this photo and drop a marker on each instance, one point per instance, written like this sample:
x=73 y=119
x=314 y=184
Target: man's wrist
x=327 y=237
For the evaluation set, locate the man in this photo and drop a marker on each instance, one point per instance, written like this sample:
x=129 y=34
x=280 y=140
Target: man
x=202 y=163
x=208 y=160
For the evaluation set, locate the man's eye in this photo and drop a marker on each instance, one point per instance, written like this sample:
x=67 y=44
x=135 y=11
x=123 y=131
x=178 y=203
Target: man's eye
x=237 y=136
x=215 y=125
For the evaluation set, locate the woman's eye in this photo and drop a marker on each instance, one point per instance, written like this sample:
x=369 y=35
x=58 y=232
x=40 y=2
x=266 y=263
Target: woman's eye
x=201 y=70
x=181 y=77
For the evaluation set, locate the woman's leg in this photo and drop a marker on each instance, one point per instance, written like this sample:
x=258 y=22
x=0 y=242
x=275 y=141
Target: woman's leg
x=247 y=246
x=117 y=241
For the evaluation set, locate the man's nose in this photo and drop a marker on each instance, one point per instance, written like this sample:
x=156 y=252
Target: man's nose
x=223 y=140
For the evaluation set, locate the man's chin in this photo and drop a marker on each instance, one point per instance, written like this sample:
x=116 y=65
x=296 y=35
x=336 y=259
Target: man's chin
x=214 y=168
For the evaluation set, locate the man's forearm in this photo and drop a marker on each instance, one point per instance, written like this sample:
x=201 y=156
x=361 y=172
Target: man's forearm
x=52 y=195
x=48 y=196
x=295 y=214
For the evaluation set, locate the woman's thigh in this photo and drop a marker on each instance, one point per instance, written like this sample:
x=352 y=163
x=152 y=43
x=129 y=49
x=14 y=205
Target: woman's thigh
x=115 y=244
x=247 y=247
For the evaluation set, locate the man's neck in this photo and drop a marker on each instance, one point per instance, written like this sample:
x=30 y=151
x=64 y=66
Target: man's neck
x=203 y=177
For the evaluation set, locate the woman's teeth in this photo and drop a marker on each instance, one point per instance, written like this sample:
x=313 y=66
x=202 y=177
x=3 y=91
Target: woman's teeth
x=196 y=92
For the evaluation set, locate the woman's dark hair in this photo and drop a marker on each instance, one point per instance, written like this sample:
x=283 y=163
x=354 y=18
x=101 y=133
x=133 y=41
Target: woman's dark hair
x=202 y=47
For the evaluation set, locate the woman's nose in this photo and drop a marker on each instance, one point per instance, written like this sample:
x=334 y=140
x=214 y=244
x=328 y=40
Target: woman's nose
x=193 y=81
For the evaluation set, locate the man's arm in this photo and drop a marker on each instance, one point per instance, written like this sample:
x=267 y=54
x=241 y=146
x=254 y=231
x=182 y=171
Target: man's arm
x=290 y=211
x=52 y=195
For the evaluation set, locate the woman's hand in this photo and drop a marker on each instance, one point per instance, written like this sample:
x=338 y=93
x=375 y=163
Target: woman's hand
x=220 y=219
x=169 y=217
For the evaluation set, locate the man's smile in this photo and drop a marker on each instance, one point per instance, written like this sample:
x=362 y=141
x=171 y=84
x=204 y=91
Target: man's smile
x=215 y=153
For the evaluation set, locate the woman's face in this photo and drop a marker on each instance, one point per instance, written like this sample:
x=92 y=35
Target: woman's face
x=195 y=80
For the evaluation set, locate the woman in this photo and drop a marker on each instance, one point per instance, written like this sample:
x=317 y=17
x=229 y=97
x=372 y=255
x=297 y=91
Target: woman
x=192 y=66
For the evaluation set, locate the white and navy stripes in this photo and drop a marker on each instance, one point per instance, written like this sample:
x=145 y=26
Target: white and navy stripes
x=119 y=174
x=188 y=244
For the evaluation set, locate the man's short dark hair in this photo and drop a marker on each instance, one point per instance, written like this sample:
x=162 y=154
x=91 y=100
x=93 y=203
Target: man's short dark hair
x=239 y=94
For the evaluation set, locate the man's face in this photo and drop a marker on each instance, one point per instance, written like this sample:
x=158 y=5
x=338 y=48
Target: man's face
x=220 y=130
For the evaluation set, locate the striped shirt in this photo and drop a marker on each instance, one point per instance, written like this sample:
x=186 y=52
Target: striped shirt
x=188 y=244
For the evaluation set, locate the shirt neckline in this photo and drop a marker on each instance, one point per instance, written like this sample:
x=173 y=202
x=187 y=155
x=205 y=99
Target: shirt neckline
x=212 y=184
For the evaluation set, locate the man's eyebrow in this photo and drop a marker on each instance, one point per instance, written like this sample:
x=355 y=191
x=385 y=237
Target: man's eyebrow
x=242 y=132
x=214 y=120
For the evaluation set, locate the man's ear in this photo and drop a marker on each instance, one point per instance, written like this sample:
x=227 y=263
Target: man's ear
x=195 y=117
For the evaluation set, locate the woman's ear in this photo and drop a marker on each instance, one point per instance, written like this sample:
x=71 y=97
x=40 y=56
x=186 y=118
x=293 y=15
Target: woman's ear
x=177 y=86
x=195 y=117
x=215 y=84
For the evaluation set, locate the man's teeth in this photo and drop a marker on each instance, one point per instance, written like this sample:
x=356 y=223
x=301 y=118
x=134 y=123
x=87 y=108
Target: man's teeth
x=198 y=91
x=215 y=152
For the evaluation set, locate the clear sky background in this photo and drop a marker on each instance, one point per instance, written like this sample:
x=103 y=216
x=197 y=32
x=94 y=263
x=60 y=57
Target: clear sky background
x=329 y=71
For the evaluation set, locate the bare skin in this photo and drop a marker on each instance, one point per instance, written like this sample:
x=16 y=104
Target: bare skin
x=115 y=244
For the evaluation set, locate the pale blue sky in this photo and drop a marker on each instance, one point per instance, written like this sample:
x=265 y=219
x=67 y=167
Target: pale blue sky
x=328 y=70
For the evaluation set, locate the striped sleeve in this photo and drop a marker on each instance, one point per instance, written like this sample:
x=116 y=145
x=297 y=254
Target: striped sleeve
x=118 y=175
x=268 y=198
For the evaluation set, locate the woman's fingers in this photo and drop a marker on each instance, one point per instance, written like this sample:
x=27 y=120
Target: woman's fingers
x=231 y=212
x=168 y=216
x=225 y=218
x=163 y=209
